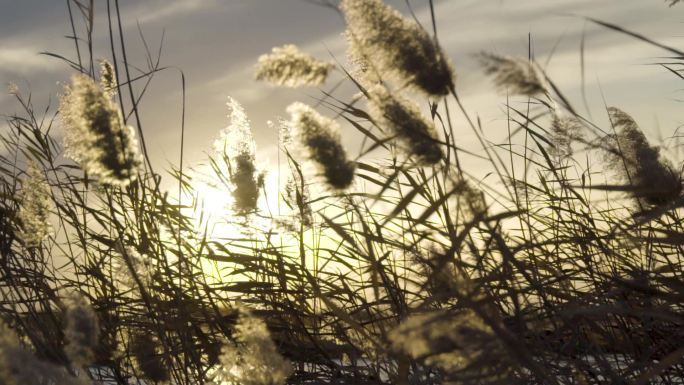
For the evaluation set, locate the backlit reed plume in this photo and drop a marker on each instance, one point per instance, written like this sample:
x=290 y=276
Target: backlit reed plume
x=652 y=178
x=296 y=197
x=13 y=88
x=321 y=137
x=147 y=359
x=142 y=264
x=81 y=332
x=295 y=192
x=518 y=76
x=441 y=278
x=396 y=46
x=108 y=77
x=19 y=366
x=35 y=207
x=471 y=199
x=437 y=274
x=361 y=70
x=564 y=131
x=403 y=117
x=459 y=343
x=238 y=149
x=288 y=66
x=252 y=359
x=95 y=135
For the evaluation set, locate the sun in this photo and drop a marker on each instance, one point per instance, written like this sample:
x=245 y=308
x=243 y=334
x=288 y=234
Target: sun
x=212 y=205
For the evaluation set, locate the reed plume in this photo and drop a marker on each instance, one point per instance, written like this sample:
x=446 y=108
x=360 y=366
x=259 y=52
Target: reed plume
x=517 y=76
x=35 y=208
x=321 y=137
x=238 y=149
x=297 y=198
x=253 y=360
x=81 y=332
x=459 y=343
x=95 y=135
x=108 y=80
x=564 y=131
x=653 y=179
x=19 y=366
x=288 y=66
x=141 y=263
x=144 y=349
x=397 y=46
x=403 y=117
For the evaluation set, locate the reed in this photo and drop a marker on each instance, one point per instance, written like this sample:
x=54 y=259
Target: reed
x=382 y=267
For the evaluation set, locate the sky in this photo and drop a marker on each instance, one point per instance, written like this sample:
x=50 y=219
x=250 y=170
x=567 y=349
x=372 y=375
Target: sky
x=216 y=43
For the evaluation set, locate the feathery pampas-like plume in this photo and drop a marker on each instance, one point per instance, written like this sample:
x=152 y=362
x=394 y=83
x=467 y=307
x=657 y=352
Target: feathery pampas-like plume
x=108 y=77
x=321 y=137
x=515 y=75
x=81 y=332
x=95 y=135
x=254 y=360
x=288 y=66
x=12 y=89
x=297 y=198
x=653 y=179
x=141 y=263
x=238 y=149
x=403 y=117
x=295 y=192
x=35 y=207
x=19 y=366
x=564 y=131
x=459 y=343
x=397 y=46
x=147 y=359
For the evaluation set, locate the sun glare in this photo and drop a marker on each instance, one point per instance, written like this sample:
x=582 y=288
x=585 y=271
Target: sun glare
x=211 y=204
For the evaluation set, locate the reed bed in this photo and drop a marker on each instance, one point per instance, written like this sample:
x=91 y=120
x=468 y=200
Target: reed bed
x=389 y=265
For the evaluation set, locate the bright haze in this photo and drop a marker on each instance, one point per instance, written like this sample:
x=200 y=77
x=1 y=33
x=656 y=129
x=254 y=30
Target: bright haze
x=216 y=43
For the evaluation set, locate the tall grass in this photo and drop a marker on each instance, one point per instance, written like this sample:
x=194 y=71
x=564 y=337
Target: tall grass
x=395 y=265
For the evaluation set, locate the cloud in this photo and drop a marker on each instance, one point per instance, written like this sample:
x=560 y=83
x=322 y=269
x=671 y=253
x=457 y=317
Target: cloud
x=22 y=60
x=158 y=11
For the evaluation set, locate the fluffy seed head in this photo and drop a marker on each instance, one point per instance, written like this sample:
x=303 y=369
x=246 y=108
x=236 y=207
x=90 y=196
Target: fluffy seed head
x=564 y=131
x=439 y=276
x=471 y=199
x=81 y=331
x=253 y=358
x=142 y=263
x=320 y=136
x=360 y=68
x=516 y=75
x=95 y=135
x=459 y=343
x=15 y=362
x=238 y=149
x=108 y=77
x=12 y=88
x=146 y=358
x=297 y=198
x=19 y=366
x=397 y=46
x=35 y=207
x=403 y=117
x=654 y=181
x=288 y=66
